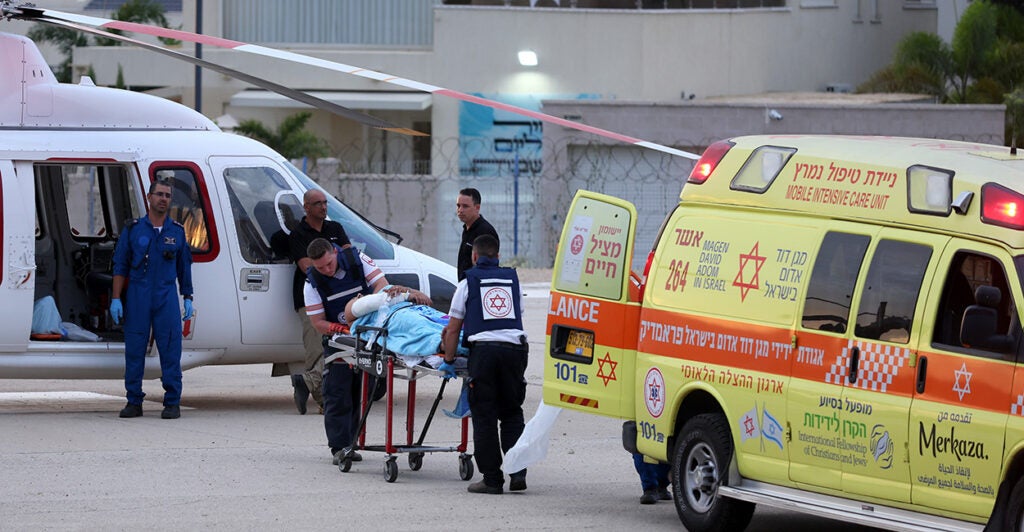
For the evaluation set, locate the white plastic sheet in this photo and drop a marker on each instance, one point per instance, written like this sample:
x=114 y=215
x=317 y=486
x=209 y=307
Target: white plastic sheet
x=532 y=446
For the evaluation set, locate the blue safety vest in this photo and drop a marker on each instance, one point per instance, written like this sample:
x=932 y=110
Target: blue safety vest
x=493 y=297
x=336 y=293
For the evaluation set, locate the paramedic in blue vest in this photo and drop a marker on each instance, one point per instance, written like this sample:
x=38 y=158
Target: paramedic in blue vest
x=337 y=276
x=152 y=253
x=488 y=308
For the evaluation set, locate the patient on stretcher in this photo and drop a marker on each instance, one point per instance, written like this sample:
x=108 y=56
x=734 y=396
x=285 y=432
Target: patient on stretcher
x=413 y=331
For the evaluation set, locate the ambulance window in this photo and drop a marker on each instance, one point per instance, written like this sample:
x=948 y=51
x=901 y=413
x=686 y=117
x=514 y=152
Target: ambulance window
x=830 y=292
x=988 y=325
x=187 y=207
x=252 y=192
x=889 y=297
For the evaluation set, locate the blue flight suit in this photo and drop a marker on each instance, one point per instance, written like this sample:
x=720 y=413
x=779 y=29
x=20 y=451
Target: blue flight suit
x=342 y=387
x=152 y=261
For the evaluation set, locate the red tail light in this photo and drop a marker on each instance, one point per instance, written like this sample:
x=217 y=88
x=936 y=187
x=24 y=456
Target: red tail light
x=647 y=273
x=1002 y=206
x=709 y=161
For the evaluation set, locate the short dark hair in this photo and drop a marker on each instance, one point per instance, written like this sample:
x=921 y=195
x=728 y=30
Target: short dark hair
x=473 y=193
x=486 y=246
x=318 y=248
x=160 y=181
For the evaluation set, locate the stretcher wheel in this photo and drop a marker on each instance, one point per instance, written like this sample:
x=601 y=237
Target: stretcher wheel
x=415 y=461
x=465 y=467
x=345 y=464
x=390 y=470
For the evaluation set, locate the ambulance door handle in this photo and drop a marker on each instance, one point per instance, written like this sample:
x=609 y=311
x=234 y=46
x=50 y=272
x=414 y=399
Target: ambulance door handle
x=922 y=373
x=854 y=363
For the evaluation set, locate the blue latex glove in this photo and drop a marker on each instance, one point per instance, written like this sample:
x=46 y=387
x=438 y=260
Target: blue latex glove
x=116 y=311
x=188 y=310
x=447 y=370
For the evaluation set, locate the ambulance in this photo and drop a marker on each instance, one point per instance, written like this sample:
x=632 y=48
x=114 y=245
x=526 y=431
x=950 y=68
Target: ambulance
x=828 y=324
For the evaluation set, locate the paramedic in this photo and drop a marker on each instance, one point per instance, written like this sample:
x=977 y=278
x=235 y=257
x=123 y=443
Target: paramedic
x=488 y=308
x=152 y=253
x=313 y=225
x=336 y=276
x=468 y=210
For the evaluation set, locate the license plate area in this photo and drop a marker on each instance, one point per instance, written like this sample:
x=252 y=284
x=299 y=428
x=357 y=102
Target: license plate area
x=574 y=345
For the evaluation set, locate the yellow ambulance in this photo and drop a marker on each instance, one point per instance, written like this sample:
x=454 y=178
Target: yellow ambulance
x=829 y=324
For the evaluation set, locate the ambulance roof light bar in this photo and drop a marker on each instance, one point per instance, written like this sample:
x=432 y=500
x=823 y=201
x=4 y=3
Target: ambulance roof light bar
x=709 y=161
x=1002 y=206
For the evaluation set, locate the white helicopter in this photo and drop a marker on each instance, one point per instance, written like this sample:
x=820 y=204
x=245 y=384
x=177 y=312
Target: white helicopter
x=77 y=159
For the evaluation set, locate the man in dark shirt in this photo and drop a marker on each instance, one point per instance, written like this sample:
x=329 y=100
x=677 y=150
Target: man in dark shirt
x=313 y=225
x=473 y=225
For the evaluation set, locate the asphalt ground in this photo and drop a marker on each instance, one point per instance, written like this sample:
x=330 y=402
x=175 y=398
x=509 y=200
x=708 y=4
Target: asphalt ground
x=241 y=458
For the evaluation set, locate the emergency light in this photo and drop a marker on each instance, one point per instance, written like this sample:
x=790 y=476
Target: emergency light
x=929 y=190
x=1002 y=206
x=761 y=168
x=709 y=161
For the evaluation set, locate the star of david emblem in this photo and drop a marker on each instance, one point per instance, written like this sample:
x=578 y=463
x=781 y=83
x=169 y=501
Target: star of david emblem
x=754 y=283
x=965 y=388
x=498 y=303
x=602 y=363
x=654 y=393
x=748 y=426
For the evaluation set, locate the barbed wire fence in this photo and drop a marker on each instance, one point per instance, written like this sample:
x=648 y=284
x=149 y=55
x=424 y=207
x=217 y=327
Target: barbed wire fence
x=526 y=200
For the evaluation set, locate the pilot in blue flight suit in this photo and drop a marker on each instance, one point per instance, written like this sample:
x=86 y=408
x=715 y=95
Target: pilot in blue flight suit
x=152 y=253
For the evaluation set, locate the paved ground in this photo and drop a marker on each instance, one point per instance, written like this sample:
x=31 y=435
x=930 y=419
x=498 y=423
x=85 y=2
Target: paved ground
x=241 y=458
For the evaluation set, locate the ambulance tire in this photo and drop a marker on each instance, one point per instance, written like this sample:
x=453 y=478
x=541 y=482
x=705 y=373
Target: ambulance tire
x=700 y=464
x=1014 y=514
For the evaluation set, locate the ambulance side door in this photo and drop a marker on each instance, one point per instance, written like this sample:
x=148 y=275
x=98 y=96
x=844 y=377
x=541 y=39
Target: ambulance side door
x=965 y=381
x=878 y=367
x=590 y=353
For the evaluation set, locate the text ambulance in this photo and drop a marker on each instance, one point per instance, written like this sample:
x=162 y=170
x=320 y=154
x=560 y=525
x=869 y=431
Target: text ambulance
x=829 y=324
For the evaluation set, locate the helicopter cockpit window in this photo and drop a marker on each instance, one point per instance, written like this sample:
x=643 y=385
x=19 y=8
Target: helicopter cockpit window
x=253 y=192
x=187 y=207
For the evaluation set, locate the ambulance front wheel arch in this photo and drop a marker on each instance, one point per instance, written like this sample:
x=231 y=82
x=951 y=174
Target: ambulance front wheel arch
x=700 y=464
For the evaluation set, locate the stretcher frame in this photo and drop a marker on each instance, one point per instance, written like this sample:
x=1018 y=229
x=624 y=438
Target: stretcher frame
x=373 y=360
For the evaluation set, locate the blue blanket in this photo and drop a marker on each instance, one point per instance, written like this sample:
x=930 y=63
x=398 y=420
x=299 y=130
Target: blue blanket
x=413 y=330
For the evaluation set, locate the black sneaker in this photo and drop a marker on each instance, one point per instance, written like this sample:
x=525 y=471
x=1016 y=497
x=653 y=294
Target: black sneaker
x=517 y=483
x=300 y=393
x=482 y=487
x=649 y=497
x=171 y=412
x=354 y=456
x=131 y=410
x=664 y=494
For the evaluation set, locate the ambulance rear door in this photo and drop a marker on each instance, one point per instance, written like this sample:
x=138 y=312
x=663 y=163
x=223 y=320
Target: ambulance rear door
x=590 y=353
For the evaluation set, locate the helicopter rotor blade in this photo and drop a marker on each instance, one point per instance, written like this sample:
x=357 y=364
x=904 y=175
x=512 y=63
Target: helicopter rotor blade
x=33 y=13
x=293 y=94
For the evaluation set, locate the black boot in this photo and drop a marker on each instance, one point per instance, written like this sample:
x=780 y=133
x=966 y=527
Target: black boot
x=301 y=393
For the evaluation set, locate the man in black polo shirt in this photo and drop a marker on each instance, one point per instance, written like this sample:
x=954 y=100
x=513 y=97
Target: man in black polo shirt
x=473 y=225
x=313 y=225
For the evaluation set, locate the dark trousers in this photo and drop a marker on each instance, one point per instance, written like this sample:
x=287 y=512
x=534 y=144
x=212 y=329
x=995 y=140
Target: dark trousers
x=342 y=385
x=652 y=476
x=497 y=387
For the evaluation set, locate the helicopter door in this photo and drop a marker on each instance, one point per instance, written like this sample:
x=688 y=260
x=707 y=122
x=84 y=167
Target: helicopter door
x=17 y=246
x=256 y=193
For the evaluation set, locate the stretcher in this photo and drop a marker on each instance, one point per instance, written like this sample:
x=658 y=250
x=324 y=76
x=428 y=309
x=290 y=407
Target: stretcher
x=373 y=359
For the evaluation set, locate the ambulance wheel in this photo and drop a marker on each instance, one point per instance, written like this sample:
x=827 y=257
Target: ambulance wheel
x=465 y=467
x=700 y=465
x=1014 y=515
x=390 y=470
x=345 y=464
x=415 y=461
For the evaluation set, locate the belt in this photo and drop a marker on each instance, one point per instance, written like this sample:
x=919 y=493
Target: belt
x=505 y=345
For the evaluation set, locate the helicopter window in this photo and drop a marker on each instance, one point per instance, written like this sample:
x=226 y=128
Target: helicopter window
x=188 y=208
x=253 y=192
x=87 y=193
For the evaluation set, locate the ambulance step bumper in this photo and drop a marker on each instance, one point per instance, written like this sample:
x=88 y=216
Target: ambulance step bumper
x=845 y=510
